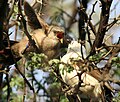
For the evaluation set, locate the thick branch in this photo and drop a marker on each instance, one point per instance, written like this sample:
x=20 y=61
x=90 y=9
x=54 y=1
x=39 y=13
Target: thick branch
x=81 y=23
x=86 y=20
x=3 y=12
x=106 y=4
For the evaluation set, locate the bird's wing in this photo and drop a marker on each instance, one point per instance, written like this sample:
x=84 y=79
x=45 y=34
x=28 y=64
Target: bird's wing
x=31 y=16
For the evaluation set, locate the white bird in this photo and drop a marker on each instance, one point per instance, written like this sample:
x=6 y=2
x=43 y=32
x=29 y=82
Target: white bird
x=87 y=85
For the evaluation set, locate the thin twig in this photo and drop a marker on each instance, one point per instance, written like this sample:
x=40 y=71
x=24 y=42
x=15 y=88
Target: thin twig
x=8 y=85
x=107 y=54
x=24 y=93
x=89 y=39
x=11 y=10
x=112 y=23
x=90 y=17
x=41 y=86
x=27 y=82
x=115 y=50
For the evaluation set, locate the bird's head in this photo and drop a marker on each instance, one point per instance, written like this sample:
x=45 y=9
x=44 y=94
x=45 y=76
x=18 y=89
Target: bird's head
x=36 y=22
x=55 y=32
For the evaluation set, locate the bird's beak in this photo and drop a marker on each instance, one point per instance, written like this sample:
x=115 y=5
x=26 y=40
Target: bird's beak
x=60 y=35
x=61 y=40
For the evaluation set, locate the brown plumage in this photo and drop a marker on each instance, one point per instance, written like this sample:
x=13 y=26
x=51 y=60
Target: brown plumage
x=47 y=37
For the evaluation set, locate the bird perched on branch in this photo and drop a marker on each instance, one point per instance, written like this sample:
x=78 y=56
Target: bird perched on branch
x=47 y=38
x=73 y=70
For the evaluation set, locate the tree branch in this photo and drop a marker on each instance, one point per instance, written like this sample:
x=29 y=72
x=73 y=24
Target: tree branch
x=90 y=23
x=81 y=22
x=3 y=15
x=87 y=28
x=106 y=4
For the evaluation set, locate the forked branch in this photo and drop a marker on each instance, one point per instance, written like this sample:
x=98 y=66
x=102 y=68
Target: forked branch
x=106 y=4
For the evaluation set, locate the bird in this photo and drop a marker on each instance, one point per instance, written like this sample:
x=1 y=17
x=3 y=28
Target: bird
x=47 y=37
x=87 y=84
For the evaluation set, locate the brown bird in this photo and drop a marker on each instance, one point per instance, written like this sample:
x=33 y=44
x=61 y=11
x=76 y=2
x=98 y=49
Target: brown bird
x=47 y=38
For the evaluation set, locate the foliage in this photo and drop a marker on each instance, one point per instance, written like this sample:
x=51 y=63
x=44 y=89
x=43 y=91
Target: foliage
x=37 y=61
x=16 y=84
x=97 y=57
x=117 y=99
x=116 y=64
x=26 y=86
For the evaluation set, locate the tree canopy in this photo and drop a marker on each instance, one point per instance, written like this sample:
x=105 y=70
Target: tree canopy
x=50 y=48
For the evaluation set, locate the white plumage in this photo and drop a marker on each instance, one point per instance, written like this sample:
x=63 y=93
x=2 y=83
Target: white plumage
x=90 y=87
